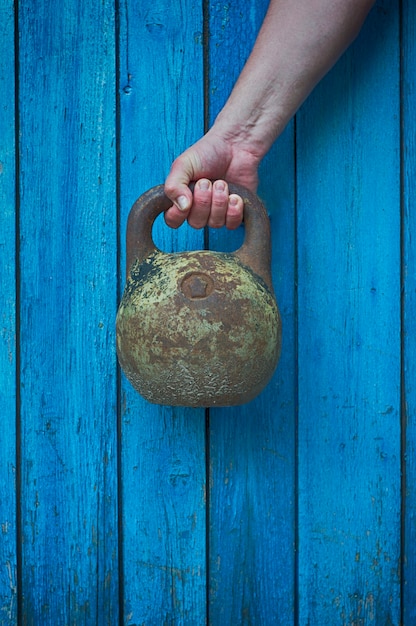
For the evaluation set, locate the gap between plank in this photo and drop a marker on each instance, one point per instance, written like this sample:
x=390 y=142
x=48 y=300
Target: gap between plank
x=19 y=555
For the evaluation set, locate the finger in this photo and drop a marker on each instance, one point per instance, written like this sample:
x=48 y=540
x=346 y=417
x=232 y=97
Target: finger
x=201 y=204
x=176 y=184
x=219 y=204
x=235 y=211
x=174 y=217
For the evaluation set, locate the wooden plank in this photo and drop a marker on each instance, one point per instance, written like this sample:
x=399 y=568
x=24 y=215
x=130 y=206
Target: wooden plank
x=68 y=295
x=163 y=449
x=252 y=471
x=348 y=186
x=409 y=302
x=8 y=557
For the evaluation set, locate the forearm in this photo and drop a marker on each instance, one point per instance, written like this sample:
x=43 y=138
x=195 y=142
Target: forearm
x=300 y=40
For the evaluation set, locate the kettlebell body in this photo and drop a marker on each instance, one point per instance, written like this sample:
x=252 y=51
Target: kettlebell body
x=198 y=328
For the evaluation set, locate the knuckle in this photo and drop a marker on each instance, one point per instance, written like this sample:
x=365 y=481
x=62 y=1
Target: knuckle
x=170 y=188
x=201 y=202
x=234 y=212
x=220 y=202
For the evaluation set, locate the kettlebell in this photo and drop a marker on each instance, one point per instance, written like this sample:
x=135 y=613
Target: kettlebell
x=198 y=328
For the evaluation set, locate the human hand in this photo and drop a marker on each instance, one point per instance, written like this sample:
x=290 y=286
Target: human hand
x=212 y=162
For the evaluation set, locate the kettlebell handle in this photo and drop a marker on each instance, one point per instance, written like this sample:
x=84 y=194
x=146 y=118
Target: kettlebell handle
x=254 y=253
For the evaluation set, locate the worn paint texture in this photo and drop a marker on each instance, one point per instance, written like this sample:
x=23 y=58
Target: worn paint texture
x=197 y=329
x=297 y=507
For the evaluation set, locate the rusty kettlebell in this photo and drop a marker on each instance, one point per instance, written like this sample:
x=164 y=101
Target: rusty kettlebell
x=198 y=328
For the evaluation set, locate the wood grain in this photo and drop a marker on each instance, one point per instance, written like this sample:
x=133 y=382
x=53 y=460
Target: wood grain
x=252 y=470
x=8 y=556
x=348 y=184
x=409 y=307
x=68 y=295
x=289 y=510
x=163 y=449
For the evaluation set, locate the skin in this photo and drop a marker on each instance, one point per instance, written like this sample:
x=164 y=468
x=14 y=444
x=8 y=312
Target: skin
x=298 y=43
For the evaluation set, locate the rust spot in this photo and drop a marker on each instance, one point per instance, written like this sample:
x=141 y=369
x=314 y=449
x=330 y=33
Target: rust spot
x=197 y=285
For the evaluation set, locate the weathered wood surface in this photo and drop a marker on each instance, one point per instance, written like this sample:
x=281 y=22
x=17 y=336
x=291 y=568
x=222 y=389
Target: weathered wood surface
x=8 y=267
x=408 y=49
x=298 y=508
x=68 y=287
x=348 y=190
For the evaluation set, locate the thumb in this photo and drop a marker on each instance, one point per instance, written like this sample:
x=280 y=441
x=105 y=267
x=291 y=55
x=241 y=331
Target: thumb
x=177 y=182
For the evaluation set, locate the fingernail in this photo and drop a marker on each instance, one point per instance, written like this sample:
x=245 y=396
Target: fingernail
x=219 y=185
x=182 y=203
x=233 y=200
x=203 y=184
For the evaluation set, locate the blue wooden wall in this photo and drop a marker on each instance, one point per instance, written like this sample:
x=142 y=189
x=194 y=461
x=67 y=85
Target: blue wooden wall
x=298 y=508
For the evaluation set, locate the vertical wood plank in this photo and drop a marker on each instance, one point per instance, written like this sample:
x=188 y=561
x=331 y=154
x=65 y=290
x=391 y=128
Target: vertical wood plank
x=68 y=297
x=349 y=335
x=163 y=449
x=409 y=301
x=8 y=559
x=252 y=471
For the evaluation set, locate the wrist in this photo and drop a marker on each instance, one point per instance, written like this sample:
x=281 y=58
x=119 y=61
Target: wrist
x=258 y=108
x=247 y=130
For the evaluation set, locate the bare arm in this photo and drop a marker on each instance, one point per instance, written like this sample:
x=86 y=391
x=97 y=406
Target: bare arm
x=299 y=41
